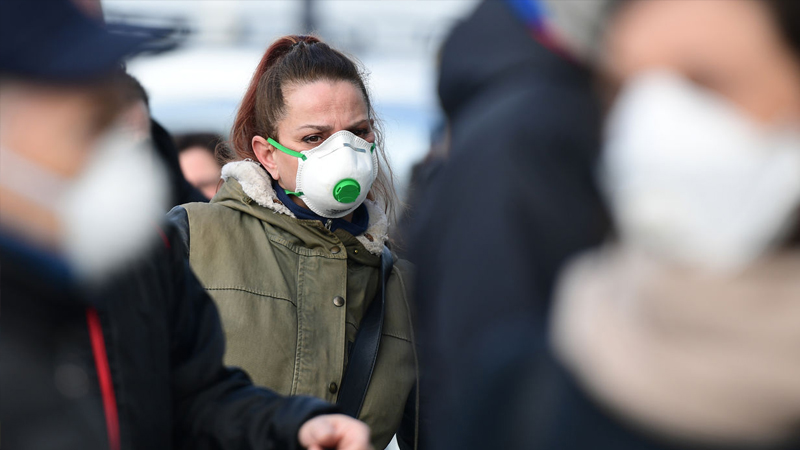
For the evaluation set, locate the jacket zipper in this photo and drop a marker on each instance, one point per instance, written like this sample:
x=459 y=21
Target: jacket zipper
x=328 y=224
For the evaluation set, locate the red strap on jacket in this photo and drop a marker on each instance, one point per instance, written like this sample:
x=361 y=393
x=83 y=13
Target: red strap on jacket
x=164 y=237
x=104 y=377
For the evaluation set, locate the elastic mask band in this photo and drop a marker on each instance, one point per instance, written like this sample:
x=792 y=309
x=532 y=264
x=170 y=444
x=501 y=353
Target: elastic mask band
x=26 y=178
x=286 y=150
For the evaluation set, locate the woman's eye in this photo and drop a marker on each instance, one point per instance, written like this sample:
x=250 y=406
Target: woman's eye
x=361 y=132
x=312 y=139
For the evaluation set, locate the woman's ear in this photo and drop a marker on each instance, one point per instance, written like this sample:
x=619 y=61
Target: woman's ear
x=265 y=153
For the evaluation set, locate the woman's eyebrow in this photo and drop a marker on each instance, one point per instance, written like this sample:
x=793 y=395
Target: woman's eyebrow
x=329 y=128
x=316 y=127
x=359 y=123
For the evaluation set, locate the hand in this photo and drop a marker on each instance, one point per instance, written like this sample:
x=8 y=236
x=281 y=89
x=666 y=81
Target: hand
x=335 y=431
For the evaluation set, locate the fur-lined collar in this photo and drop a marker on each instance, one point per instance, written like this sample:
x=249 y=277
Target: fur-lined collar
x=257 y=184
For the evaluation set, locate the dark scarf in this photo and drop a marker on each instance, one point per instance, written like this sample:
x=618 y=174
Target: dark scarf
x=356 y=227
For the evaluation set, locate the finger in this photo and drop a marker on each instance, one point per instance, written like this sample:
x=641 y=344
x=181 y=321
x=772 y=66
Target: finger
x=354 y=436
x=318 y=431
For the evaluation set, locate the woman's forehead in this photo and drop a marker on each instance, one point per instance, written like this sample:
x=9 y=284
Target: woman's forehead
x=325 y=103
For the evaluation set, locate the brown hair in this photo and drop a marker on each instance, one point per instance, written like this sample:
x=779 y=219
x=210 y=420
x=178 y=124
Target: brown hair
x=132 y=90
x=297 y=59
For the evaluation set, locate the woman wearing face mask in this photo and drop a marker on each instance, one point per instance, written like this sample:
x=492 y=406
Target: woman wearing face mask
x=292 y=246
x=688 y=326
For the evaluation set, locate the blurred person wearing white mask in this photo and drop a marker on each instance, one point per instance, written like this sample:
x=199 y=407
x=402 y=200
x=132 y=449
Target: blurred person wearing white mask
x=108 y=341
x=687 y=325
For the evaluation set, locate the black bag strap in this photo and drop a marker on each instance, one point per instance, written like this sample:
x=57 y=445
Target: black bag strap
x=365 y=349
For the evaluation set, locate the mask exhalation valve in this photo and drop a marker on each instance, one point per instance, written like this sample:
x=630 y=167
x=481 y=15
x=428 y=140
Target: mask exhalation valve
x=346 y=191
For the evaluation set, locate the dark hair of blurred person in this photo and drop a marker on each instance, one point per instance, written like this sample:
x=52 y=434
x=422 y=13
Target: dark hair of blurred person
x=294 y=241
x=108 y=341
x=199 y=160
x=685 y=326
x=136 y=116
x=133 y=91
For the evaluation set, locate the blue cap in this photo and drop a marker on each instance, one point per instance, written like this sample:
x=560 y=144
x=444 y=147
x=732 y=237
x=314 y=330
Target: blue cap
x=52 y=40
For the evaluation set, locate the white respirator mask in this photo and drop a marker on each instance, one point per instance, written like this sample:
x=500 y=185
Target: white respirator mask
x=692 y=178
x=334 y=178
x=108 y=214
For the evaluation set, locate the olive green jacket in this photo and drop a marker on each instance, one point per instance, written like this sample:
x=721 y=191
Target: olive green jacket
x=291 y=295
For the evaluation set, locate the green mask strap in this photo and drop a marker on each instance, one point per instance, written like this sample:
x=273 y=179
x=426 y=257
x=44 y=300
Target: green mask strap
x=286 y=150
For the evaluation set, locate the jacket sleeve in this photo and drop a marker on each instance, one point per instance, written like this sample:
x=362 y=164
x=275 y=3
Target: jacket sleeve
x=179 y=218
x=215 y=406
x=408 y=431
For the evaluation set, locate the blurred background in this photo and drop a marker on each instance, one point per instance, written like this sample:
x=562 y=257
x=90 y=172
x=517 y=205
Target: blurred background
x=198 y=86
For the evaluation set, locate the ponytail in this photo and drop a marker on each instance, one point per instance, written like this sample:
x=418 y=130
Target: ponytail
x=246 y=124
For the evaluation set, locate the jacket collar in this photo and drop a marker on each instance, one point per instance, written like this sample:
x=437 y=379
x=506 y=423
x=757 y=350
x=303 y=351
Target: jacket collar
x=257 y=185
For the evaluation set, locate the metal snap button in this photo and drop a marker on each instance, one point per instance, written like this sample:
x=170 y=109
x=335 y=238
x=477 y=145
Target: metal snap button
x=338 y=301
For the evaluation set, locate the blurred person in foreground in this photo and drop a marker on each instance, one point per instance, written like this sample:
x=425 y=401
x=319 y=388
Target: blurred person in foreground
x=687 y=326
x=512 y=202
x=199 y=162
x=293 y=246
x=108 y=341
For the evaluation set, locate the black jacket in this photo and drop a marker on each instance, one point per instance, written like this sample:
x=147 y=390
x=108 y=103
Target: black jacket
x=164 y=348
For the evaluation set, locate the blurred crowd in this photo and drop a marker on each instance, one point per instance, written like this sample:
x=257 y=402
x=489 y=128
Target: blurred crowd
x=600 y=249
